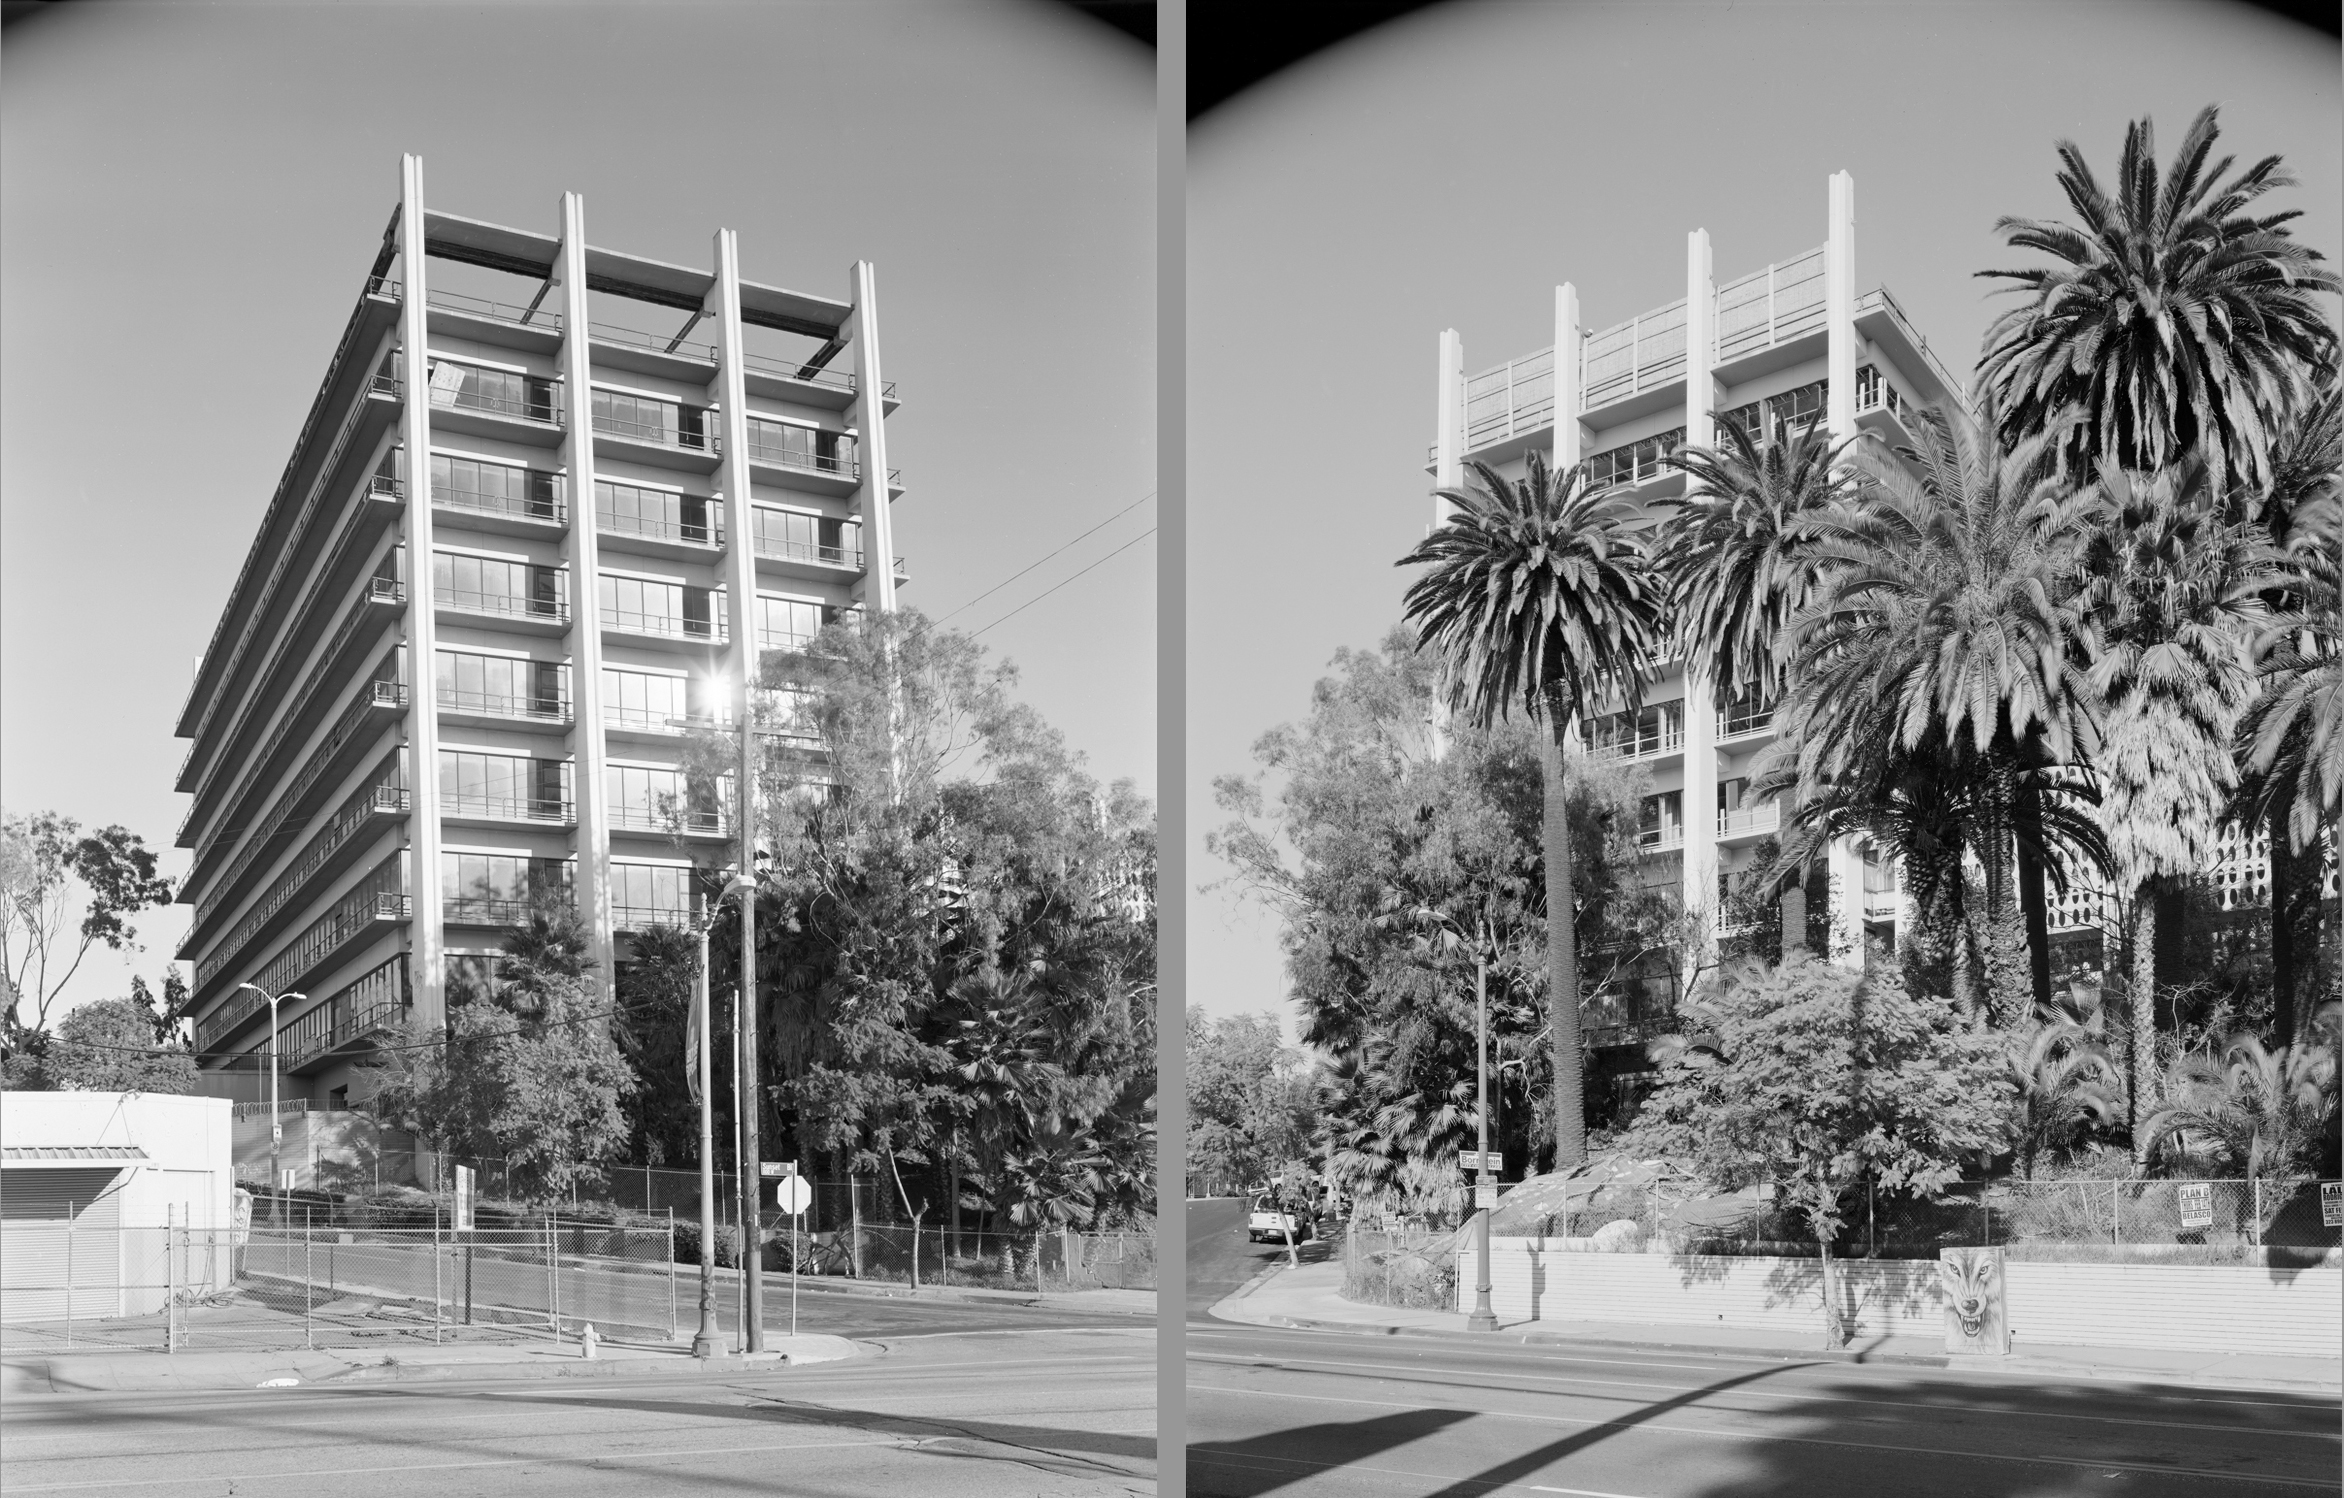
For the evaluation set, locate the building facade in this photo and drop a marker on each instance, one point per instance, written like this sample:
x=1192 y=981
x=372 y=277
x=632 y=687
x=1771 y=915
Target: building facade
x=492 y=595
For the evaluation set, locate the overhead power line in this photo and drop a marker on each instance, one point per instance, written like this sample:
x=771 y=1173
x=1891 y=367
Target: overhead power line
x=1013 y=577
x=1054 y=587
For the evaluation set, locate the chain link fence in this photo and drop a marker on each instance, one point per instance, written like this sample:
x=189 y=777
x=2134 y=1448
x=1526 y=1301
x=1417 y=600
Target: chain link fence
x=1414 y=1267
x=72 y=1287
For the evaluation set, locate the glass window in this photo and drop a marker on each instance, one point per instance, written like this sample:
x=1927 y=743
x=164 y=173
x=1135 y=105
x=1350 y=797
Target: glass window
x=789 y=623
x=645 y=699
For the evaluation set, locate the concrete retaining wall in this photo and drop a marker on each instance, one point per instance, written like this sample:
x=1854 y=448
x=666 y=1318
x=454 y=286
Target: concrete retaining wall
x=2208 y=1308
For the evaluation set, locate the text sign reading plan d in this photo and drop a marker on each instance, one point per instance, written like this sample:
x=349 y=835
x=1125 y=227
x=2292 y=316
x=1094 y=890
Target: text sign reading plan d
x=793 y=1195
x=1488 y=1162
x=2332 y=1204
x=2197 y=1204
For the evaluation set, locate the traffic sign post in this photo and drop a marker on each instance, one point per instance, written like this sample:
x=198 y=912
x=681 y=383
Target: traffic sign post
x=793 y=1194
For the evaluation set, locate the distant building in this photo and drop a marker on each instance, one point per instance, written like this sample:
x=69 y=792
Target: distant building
x=494 y=590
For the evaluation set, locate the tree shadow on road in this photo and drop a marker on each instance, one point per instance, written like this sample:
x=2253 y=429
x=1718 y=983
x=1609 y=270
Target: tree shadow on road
x=1263 y=1464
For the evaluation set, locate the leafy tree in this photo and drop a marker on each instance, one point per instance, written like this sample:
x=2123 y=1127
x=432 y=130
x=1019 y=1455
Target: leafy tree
x=1817 y=1080
x=1541 y=597
x=1250 y=1100
x=62 y=892
x=109 y=1045
x=527 y=1068
x=2176 y=319
x=655 y=989
x=2245 y=1107
x=2168 y=598
x=2061 y=1079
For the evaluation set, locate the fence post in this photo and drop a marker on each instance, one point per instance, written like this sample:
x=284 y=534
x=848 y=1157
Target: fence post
x=308 y=1325
x=2115 y=1212
x=1871 y=1222
x=672 y=1331
x=1985 y=1217
x=553 y=1285
x=69 y=1275
x=2256 y=1237
x=170 y=1282
x=435 y=1275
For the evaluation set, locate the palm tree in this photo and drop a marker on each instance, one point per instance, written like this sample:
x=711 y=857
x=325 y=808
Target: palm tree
x=1541 y=597
x=2062 y=1080
x=2166 y=599
x=2259 y=1109
x=1739 y=551
x=1933 y=662
x=2290 y=746
x=2175 y=319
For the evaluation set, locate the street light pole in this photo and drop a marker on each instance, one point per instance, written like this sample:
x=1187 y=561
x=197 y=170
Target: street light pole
x=752 y=1170
x=276 y=1129
x=704 y=1340
x=1483 y=1318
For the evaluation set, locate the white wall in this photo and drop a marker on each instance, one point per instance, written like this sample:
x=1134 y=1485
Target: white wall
x=186 y=1140
x=2210 y=1308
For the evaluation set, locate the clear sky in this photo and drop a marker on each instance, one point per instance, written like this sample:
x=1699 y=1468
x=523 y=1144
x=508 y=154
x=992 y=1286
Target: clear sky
x=191 y=195
x=1448 y=170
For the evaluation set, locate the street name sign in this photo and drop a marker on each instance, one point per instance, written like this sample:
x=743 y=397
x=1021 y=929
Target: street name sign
x=1487 y=1162
x=772 y=1168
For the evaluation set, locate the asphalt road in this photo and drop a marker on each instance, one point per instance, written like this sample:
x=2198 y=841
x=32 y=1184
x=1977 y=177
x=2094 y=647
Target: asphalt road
x=1312 y=1414
x=1219 y=1258
x=969 y=1416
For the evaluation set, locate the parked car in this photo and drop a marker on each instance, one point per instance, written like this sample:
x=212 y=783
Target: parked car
x=1271 y=1221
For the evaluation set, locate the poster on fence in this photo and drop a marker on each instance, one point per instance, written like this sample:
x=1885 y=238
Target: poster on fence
x=2332 y=1204
x=2197 y=1204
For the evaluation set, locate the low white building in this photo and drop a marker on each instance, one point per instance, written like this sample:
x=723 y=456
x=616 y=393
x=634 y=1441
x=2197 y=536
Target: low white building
x=90 y=1181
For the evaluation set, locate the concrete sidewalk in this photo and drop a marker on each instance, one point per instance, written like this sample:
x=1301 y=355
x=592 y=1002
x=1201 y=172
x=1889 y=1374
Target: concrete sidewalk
x=1123 y=1302
x=1310 y=1297
x=34 y=1373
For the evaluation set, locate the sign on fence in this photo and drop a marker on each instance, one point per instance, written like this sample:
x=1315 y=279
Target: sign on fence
x=2332 y=1204
x=2197 y=1204
x=463 y=1221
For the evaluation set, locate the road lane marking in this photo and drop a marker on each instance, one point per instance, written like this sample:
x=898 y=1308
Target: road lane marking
x=1638 y=1427
x=1745 y=1392
x=308 y=1474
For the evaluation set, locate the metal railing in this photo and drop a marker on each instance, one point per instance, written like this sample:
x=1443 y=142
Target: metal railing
x=1668 y=740
x=1764 y=817
x=842 y=465
x=474 y=306
x=798 y=551
x=507 y=808
x=553 y=510
x=1735 y=722
x=381 y=1005
x=350 y=915
x=663 y=721
x=508 y=605
x=488 y=910
x=355 y=813
x=1652 y=838
x=665 y=626
x=659 y=434
x=532 y=707
x=541 y=402
x=1880 y=297
x=654 y=819
x=710 y=533
x=643 y=917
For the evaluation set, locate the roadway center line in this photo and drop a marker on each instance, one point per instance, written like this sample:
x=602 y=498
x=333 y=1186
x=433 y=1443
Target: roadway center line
x=1639 y=1427
x=1744 y=1392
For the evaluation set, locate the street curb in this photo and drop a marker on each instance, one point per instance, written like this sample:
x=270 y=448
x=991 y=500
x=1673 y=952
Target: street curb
x=2018 y=1363
x=40 y=1375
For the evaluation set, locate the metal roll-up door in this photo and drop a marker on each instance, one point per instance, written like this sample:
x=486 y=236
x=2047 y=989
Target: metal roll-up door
x=38 y=1241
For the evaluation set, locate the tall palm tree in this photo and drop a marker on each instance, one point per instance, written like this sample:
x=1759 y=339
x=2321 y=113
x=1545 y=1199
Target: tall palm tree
x=1738 y=550
x=1541 y=597
x=2290 y=745
x=2175 y=318
x=2165 y=610
x=1935 y=654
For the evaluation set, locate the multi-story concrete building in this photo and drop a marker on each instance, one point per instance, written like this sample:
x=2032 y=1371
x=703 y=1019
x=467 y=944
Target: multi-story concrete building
x=493 y=592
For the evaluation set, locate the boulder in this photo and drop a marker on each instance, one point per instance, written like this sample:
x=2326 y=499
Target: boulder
x=1619 y=1236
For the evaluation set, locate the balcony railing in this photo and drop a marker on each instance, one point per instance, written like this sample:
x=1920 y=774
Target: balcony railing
x=1668 y=740
x=490 y=910
x=641 y=917
x=823 y=556
x=665 y=626
x=1734 y=722
x=539 y=400
x=474 y=306
x=330 y=839
x=708 y=533
x=656 y=819
x=531 y=708
x=658 y=434
x=508 y=605
x=841 y=464
x=507 y=808
x=1764 y=817
x=550 y=509
x=376 y=1003
x=626 y=717
x=1651 y=839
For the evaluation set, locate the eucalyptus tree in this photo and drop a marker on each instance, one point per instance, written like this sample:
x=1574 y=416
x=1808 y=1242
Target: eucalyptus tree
x=2176 y=317
x=2166 y=603
x=1934 y=664
x=1540 y=597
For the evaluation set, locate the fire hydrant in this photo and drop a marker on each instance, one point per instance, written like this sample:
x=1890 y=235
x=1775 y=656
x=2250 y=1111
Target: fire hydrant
x=591 y=1343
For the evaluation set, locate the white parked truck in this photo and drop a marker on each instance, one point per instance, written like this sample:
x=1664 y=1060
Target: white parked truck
x=1273 y=1221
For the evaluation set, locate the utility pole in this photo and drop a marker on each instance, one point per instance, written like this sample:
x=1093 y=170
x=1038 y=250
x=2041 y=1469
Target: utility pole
x=276 y=1125
x=1483 y=1318
x=704 y=1340
x=752 y=1169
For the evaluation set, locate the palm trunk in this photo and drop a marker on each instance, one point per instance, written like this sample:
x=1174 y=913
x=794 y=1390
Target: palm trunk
x=2282 y=926
x=1968 y=984
x=2028 y=815
x=1562 y=960
x=2143 y=940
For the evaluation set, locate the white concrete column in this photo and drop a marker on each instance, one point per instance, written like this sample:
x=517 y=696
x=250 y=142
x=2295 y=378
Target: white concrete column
x=1448 y=461
x=870 y=410
x=1845 y=864
x=581 y=548
x=426 y=934
x=731 y=394
x=1570 y=441
x=1700 y=878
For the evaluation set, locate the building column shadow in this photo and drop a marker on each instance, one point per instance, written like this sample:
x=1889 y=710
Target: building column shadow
x=1266 y=1463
